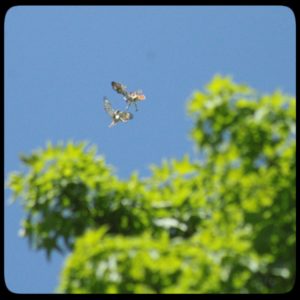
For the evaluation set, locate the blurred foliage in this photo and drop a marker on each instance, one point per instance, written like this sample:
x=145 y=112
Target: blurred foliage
x=223 y=223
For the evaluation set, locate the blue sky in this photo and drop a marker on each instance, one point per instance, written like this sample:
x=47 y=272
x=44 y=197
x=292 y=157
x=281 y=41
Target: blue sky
x=60 y=61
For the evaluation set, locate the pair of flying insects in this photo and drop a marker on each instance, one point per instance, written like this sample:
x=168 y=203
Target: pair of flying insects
x=129 y=97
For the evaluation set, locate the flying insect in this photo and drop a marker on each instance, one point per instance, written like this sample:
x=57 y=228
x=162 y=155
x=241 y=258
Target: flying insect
x=116 y=115
x=129 y=97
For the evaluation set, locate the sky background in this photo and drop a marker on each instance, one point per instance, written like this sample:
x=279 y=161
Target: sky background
x=59 y=64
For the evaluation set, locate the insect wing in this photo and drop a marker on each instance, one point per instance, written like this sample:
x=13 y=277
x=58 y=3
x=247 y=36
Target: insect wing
x=125 y=116
x=119 y=88
x=107 y=107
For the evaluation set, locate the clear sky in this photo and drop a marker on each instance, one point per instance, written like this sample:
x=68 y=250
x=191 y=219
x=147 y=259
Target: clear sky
x=59 y=64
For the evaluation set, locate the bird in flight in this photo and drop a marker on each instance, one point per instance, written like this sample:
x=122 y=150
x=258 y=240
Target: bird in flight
x=116 y=115
x=130 y=97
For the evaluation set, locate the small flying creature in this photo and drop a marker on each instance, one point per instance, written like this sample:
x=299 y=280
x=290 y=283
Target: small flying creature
x=116 y=115
x=129 y=97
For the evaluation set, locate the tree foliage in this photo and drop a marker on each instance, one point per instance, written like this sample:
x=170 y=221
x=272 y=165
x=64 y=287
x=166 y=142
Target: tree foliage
x=223 y=223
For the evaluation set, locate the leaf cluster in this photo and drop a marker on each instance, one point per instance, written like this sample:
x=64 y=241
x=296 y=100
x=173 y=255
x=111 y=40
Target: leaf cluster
x=222 y=223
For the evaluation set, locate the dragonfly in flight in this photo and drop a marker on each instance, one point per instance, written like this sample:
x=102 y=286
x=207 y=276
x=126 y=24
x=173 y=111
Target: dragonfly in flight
x=116 y=115
x=130 y=97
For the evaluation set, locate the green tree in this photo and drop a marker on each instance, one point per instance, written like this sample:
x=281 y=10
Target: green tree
x=222 y=223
